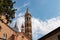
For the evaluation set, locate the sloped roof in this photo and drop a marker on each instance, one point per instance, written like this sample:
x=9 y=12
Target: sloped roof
x=50 y=34
x=8 y=26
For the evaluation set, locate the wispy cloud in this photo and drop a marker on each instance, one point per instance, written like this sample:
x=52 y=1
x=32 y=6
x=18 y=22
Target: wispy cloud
x=39 y=27
x=26 y=4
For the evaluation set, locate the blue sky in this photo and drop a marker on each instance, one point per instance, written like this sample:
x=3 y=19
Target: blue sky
x=45 y=15
x=43 y=9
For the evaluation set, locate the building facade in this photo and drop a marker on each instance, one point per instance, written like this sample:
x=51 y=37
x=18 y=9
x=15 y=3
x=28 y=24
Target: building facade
x=8 y=33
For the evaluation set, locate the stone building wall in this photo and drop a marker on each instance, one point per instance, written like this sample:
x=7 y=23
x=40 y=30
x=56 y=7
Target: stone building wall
x=53 y=37
x=5 y=30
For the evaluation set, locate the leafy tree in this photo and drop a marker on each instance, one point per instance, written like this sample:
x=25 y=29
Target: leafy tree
x=7 y=9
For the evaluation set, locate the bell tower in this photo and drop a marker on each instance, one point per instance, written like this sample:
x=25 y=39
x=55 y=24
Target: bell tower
x=28 y=25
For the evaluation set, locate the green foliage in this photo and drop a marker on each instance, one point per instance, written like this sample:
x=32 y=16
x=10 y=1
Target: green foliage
x=7 y=9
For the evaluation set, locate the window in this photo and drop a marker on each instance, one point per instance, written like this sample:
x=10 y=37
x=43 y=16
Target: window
x=22 y=36
x=58 y=37
x=4 y=36
x=29 y=18
x=0 y=0
x=0 y=28
x=26 y=19
x=12 y=37
x=27 y=24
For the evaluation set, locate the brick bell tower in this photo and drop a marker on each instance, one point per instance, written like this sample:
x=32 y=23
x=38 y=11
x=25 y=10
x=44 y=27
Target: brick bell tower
x=28 y=24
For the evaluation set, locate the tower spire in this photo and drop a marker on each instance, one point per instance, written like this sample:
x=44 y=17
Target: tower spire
x=27 y=12
x=22 y=28
x=16 y=27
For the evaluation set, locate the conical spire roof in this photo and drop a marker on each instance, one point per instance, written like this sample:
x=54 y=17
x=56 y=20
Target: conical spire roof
x=22 y=26
x=16 y=27
x=27 y=12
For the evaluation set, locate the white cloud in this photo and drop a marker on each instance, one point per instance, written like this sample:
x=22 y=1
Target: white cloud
x=44 y=27
x=39 y=27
